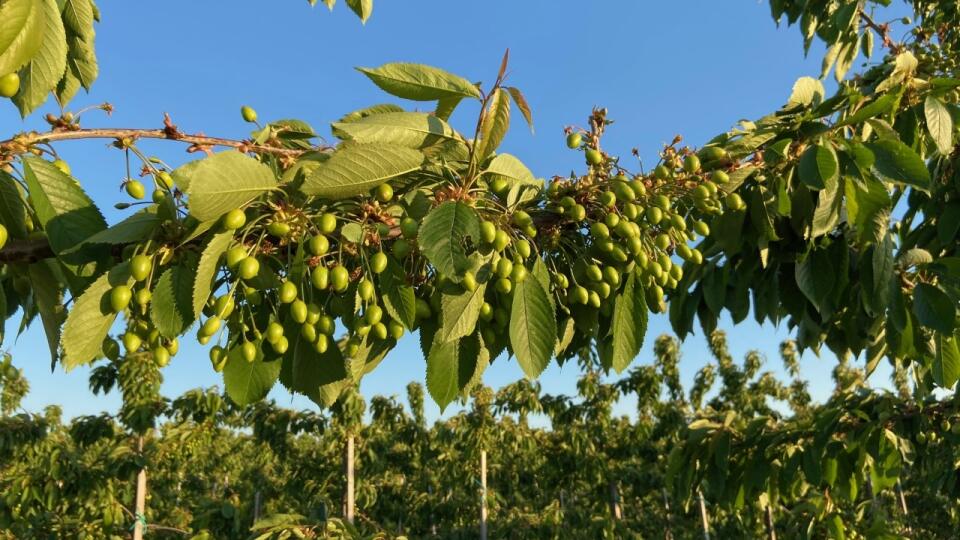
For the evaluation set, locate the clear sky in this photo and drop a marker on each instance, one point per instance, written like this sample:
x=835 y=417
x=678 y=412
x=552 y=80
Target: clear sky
x=691 y=67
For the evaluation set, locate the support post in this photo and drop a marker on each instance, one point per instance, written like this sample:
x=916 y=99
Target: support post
x=349 y=501
x=705 y=520
x=256 y=507
x=771 y=531
x=668 y=534
x=483 y=495
x=615 y=510
x=139 y=516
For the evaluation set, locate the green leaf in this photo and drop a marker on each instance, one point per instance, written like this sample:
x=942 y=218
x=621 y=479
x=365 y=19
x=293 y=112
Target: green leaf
x=356 y=169
x=533 y=327
x=360 y=114
x=363 y=8
x=249 y=382
x=629 y=323
x=933 y=308
x=398 y=297
x=12 y=207
x=420 y=83
x=90 y=318
x=172 y=307
x=807 y=91
x=829 y=204
x=881 y=105
x=78 y=16
x=867 y=209
x=443 y=372
x=446 y=106
x=207 y=269
x=522 y=104
x=509 y=168
x=48 y=297
x=946 y=364
x=443 y=234
x=939 y=124
x=65 y=212
x=818 y=166
x=460 y=313
x=305 y=370
x=136 y=228
x=221 y=182
x=815 y=277
x=41 y=75
x=407 y=129
x=899 y=163
x=495 y=124
x=22 y=26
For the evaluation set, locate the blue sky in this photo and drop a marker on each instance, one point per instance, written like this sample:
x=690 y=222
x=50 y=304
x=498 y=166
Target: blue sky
x=661 y=68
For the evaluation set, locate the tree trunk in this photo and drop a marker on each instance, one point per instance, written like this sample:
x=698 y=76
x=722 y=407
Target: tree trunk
x=771 y=531
x=348 y=501
x=705 y=520
x=483 y=495
x=668 y=534
x=139 y=515
x=615 y=509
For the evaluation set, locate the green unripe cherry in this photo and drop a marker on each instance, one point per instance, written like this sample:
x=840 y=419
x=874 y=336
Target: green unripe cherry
x=504 y=285
x=504 y=267
x=339 y=278
x=501 y=241
x=734 y=202
x=593 y=272
x=218 y=358
x=578 y=212
x=210 y=326
x=409 y=227
x=298 y=311
x=661 y=172
x=132 y=342
x=328 y=223
x=274 y=332
x=384 y=193
x=140 y=266
x=611 y=275
x=365 y=289
x=574 y=140
x=654 y=215
x=401 y=248
x=593 y=156
x=235 y=256
x=720 y=177
x=279 y=229
x=234 y=219
x=521 y=218
x=691 y=163
x=469 y=281
x=161 y=356
x=395 y=329
x=248 y=268
x=320 y=277
x=120 y=297
x=662 y=201
x=287 y=292
x=9 y=85
x=248 y=114
x=374 y=314
x=224 y=306
x=599 y=230
x=611 y=220
x=488 y=232
x=281 y=346
x=523 y=248
x=378 y=263
x=135 y=189
x=518 y=274
x=318 y=245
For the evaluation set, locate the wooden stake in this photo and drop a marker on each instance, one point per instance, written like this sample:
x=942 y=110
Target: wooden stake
x=703 y=516
x=139 y=517
x=771 y=531
x=901 y=499
x=349 y=501
x=668 y=534
x=483 y=495
x=615 y=509
x=256 y=507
